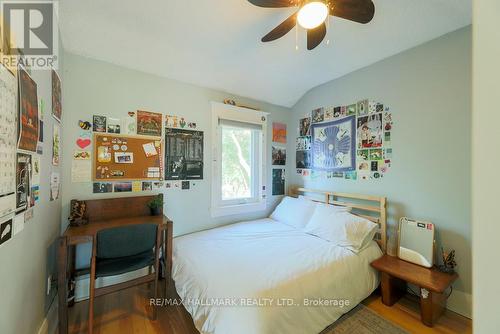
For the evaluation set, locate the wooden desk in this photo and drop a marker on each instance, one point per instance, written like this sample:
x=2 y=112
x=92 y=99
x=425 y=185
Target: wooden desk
x=395 y=273
x=85 y=234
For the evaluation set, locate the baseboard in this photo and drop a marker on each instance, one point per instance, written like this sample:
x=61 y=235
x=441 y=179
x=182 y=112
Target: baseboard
x=49 y=324
x=461 y=303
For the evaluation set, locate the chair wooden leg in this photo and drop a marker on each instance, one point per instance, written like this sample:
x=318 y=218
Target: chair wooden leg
x=157 y=266
x=91 y=292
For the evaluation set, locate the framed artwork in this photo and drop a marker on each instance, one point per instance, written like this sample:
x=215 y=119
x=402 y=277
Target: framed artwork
x=183 y=154
x=279 y=133
x=56 y=96
x=28 y=112
x=334 y=145
x=149 y=123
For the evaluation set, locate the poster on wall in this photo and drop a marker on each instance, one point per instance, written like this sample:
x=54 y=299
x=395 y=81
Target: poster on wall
x=279 y=133
x=334 y=145
x=370 y=131
x=23 y=182
x=6 y=227
x=149 y=123
x=278 y=155
x=305 y=127
x=56 y=142
x=8 y=140
x=28 y=112
x=56 y=96
x=183 y=154
x=303 y=159
x=99 y=123
x=278 y=182
x=55 y=183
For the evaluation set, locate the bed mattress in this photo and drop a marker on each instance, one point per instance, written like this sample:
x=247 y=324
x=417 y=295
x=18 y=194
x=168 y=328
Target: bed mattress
x=263 y=277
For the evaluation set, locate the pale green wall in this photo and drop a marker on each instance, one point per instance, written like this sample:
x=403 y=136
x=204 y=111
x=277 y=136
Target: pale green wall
x=485 y=162
x=23 y=281
x=429 y=91
x=96 y=87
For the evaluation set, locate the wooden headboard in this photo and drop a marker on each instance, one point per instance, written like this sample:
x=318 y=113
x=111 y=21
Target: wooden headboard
x=373 y=208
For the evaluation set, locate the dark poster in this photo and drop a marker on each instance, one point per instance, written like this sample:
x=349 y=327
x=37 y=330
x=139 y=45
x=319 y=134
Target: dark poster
x=278 y=182
x=23 y=174
x=28 y=112
x=183 y=154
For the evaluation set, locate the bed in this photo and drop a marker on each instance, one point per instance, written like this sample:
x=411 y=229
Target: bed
x=263 y=276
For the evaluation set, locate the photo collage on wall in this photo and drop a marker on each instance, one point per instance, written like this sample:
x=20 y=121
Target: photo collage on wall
x=21 y=146
x=347 y=142
x=278 y=158
x=179 y=148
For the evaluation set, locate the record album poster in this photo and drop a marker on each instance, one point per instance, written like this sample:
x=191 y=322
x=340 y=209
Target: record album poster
x=183 y=154
x=28 y=112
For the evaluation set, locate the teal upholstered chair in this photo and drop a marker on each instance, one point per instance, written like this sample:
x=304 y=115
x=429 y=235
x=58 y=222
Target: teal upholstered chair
x=120 y=250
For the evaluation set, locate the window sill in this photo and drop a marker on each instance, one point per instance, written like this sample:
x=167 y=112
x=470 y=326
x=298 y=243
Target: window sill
x=231 y=210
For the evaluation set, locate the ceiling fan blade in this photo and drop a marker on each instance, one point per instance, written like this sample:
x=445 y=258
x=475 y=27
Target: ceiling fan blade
x=361 y=11
x=282 y=29
x=272 y=3
x=315 y=36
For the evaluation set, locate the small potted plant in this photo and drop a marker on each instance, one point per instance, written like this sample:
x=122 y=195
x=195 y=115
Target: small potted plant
x=155 y=205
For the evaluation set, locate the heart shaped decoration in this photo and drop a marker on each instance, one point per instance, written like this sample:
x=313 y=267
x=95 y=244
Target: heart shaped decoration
x=82 y=143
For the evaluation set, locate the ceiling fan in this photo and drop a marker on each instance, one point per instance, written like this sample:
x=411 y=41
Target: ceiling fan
x=311 y=15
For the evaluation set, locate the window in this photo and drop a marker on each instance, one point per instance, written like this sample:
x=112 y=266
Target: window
x=238 y=171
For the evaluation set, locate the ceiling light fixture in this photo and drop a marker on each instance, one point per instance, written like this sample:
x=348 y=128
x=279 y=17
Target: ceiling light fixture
x=312 y=15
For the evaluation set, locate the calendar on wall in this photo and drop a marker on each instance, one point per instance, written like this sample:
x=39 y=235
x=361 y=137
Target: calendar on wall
x=8 y=141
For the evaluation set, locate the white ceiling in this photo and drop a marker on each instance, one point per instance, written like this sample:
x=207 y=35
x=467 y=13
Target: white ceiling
x=216 y=43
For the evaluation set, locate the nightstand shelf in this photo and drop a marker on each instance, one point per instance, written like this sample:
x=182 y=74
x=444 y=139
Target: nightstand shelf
x=396 y=273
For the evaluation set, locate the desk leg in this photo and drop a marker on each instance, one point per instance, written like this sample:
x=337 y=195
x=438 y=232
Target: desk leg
x=62 y=263
x=392 y=289
x=432 y=305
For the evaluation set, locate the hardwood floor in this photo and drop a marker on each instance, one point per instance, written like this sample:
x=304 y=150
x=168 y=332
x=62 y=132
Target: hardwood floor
x=128 y=311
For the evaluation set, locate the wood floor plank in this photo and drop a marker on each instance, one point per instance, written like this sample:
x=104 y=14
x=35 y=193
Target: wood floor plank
x=128 y=312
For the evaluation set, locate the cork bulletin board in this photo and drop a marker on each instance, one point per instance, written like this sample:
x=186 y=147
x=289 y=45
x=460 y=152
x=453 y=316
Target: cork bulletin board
x=126 y=158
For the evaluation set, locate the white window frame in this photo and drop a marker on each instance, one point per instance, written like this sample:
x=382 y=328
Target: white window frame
x=257 y=202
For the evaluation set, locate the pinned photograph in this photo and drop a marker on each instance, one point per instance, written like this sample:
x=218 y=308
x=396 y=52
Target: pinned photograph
x=337 y=112
x=351 y=110
x=149 y=149
x=149 y=123
x=122 y=187
x=185 y=185
x=279 y=133
x=124 y=157
x=303 y=143
x=102 y=187
x=99 y=123
x=318 y=115
x=23 y=180
x=147 y=186
x=56 y=96
x=303 y=159
x=364 y=155
x=278 y=155
x=113 y=125
x=329 y=113
x=305 y=126
x=362 y=107
x=376 y=154
x=351 y=175
x=104 y=154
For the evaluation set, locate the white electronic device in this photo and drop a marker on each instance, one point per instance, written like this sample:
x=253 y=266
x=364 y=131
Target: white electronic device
x=416 y=242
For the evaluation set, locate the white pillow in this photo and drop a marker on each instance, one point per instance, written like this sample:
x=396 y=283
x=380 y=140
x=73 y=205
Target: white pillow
x=294 y=212
x=342 y=228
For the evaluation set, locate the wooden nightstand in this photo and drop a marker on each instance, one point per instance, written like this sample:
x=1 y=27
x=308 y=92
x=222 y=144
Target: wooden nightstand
x=395 y=273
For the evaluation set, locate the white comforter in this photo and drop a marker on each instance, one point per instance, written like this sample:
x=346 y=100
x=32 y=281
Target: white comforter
x=257 y=277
